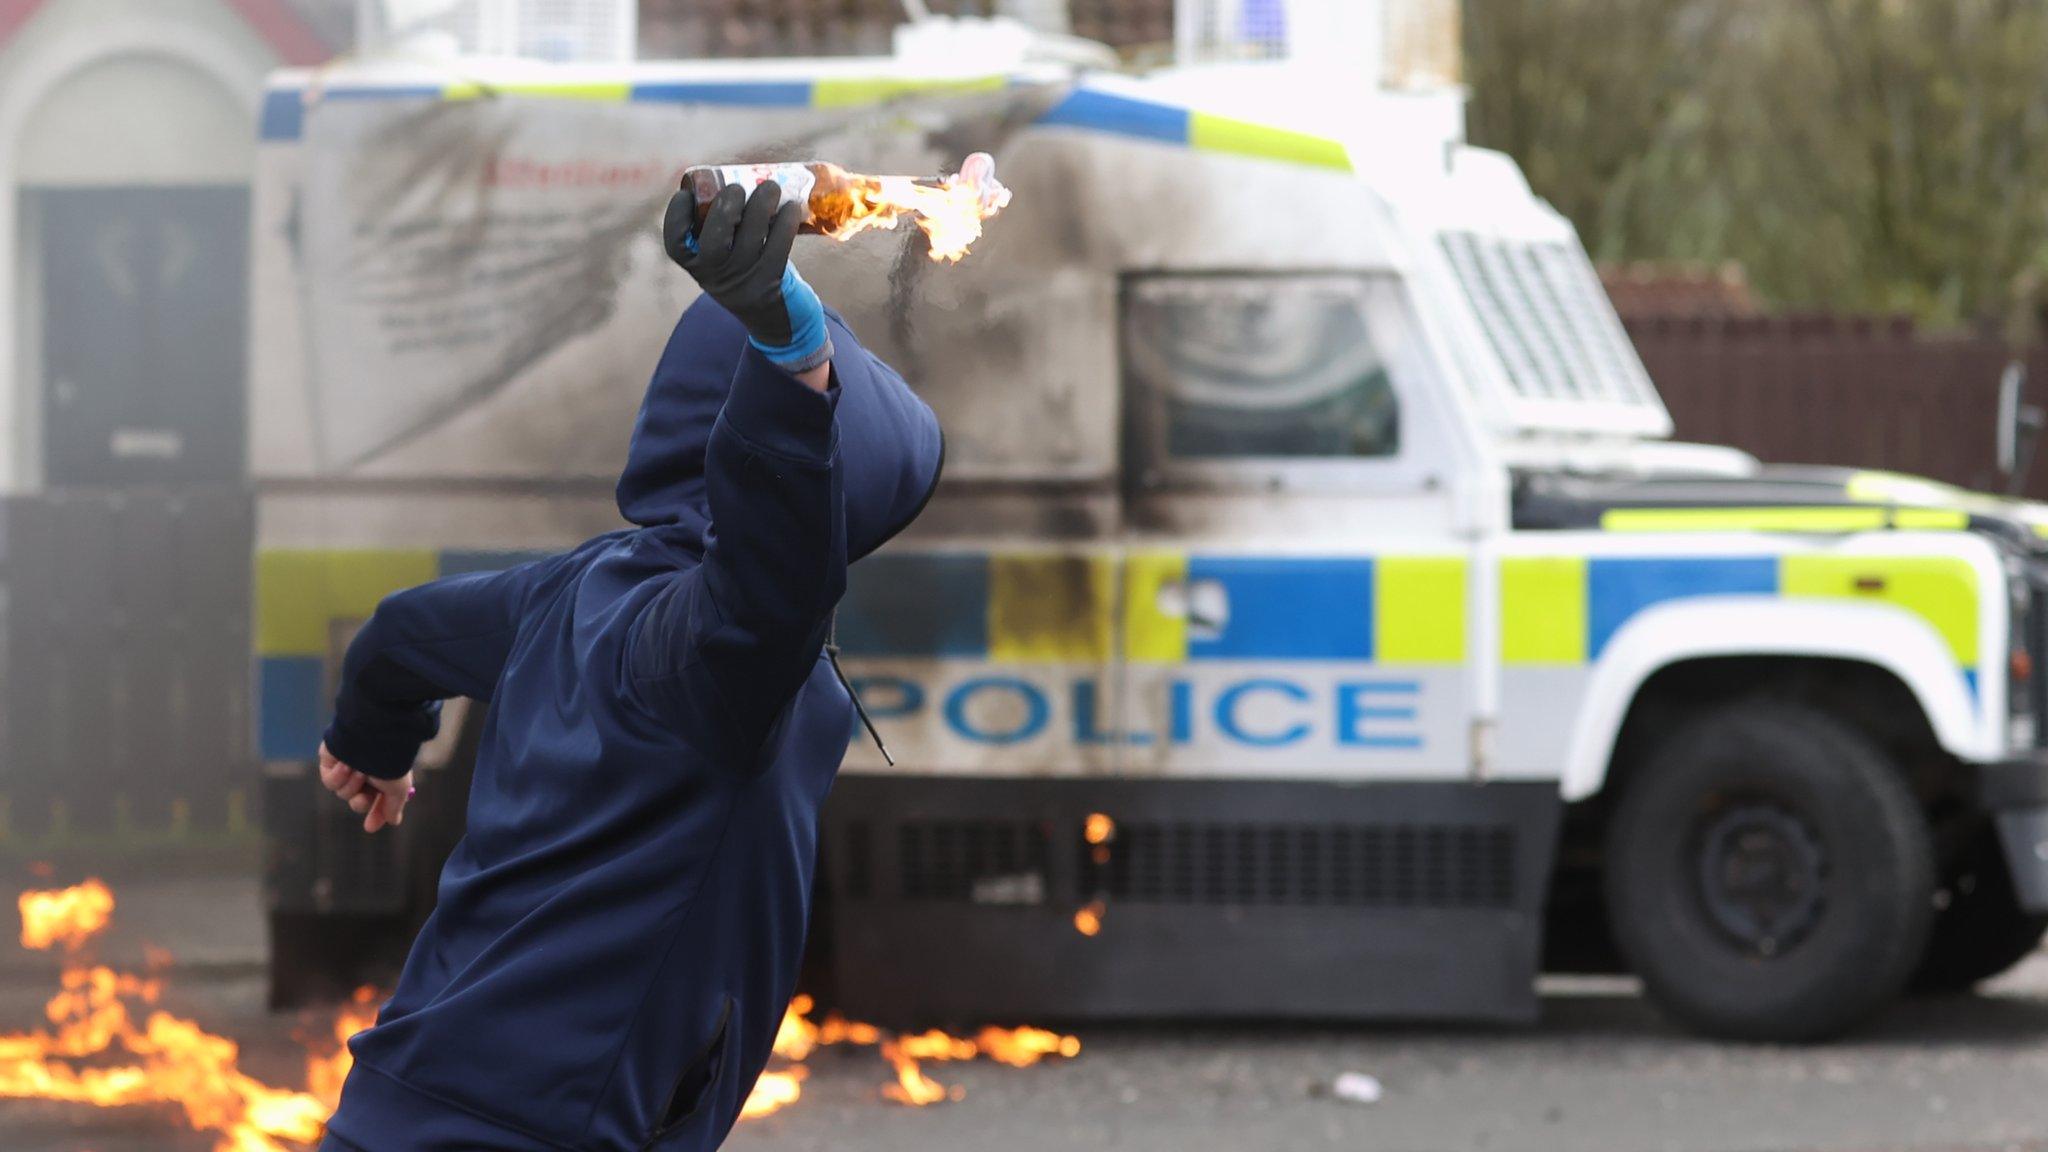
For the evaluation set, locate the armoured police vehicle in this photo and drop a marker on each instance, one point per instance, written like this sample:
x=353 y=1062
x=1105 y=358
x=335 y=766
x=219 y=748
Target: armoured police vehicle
x=1315 y=615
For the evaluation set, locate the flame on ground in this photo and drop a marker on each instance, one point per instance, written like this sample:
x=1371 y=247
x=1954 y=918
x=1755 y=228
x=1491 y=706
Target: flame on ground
x=799 y=1037
x=95 y=1052
x=949 y=211
x=67 y=916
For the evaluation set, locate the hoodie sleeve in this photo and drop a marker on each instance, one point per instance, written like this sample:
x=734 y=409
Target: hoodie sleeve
x=730 y=641
x=420 y=647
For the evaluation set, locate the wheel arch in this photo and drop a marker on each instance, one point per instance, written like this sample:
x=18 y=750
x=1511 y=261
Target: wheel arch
x=1662 y=641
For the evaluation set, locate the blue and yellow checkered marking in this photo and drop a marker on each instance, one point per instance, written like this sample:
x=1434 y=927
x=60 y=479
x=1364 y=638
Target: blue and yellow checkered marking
x=1564 y=610
x=1039 y=607
x=284 y=109
x=1617 y=589
x=1067 y=608
x=1288 y=609
x=923 y=605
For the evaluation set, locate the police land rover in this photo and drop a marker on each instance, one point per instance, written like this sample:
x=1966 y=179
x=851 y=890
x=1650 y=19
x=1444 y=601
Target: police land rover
x=1315 y=614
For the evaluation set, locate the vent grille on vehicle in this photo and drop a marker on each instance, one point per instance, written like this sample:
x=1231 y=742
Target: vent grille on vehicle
x=983 y=861
x=1394 y=866
x=354 y=872
x=1298 y=865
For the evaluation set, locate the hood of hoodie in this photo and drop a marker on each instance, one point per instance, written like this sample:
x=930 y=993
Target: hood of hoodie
x=890 y=446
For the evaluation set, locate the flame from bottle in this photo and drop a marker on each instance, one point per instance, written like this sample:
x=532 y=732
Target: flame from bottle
x=950 y=211
x=163 y=1059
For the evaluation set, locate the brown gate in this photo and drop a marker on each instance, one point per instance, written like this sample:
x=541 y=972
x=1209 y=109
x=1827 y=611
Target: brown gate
x=1855 y=391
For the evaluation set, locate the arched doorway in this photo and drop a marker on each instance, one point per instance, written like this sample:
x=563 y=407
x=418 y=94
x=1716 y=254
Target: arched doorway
x=133 y=188
x=126 y=149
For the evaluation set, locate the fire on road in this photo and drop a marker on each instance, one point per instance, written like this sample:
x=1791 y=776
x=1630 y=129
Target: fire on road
x=108 y=1045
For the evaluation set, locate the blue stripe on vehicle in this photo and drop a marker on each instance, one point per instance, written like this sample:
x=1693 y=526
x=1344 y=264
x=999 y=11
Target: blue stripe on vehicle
x=292 y=706
x=376 y=92
x=284 y=110
x=1287 y=609
x=1617 y=589
x=284 y=116
x=754 y=95
x=916 y=605
x=1121 y=115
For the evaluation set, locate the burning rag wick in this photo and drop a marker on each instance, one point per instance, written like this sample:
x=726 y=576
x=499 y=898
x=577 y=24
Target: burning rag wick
x=799 y=1036
x=173 y=1061
x=950 y=211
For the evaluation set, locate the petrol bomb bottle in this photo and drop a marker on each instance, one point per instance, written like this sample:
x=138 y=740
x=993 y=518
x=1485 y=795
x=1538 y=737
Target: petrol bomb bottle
x=841 y=204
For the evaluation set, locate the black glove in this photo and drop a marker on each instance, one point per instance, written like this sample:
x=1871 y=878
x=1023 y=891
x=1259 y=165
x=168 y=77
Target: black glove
x=740 y=257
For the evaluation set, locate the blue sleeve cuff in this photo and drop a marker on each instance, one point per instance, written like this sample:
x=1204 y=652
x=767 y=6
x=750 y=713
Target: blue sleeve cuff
x=775 y=412
x=809 y=343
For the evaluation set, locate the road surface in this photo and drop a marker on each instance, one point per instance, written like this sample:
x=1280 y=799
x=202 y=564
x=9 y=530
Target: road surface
x=1601 y=1072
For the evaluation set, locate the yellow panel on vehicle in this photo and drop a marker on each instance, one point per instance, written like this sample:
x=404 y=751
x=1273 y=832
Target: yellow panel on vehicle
x=1150 y=635
x=1819 y=520
x=1048 y=608
x=1941 y=590
x=1931 y=519
x=1419 y=609
x=1209 y=133
x=601 y=91
x=300 y=594
x=1543 y=610
x=852 y=93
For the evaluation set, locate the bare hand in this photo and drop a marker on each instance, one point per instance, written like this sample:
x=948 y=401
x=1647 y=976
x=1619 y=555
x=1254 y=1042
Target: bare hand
x=378 y=802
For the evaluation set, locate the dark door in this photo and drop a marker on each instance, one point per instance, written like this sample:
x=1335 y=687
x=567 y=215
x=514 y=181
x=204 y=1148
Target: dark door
x=125 y=647
x=144 y=310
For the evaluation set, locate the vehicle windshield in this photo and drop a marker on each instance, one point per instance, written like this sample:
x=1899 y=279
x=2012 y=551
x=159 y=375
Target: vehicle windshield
x=1259 y=367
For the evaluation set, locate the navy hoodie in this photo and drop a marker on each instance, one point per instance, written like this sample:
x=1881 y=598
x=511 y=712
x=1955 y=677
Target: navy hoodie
x=619 y=931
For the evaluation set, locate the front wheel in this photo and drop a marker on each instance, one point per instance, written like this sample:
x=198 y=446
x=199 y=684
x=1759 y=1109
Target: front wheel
x=1769 y=875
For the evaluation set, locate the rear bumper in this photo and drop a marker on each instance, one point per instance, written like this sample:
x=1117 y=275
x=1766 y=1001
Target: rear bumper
x=2016 y=794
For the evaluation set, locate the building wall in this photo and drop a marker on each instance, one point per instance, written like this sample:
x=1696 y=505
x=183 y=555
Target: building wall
x=108 y=92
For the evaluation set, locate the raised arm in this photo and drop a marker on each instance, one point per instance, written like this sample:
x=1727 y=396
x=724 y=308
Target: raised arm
x=729 y=642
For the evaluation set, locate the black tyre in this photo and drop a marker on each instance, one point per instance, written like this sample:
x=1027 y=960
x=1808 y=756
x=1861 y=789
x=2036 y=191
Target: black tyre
x=1769 y=875
x=1982 y=931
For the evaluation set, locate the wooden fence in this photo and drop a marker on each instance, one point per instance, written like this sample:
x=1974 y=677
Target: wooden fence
x=1867 y=393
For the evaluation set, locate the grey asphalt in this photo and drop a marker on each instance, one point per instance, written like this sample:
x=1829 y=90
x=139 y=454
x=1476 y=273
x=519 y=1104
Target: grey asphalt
x=1600 y=1072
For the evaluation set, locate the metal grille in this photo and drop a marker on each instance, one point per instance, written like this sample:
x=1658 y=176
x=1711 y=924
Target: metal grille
x=1546 y=315
x=1392 y=866
x=980 y=861
x=353 y=872
x=858 y=844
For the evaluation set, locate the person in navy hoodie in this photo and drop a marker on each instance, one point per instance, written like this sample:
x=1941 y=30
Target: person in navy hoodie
x=619 y=931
